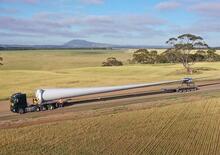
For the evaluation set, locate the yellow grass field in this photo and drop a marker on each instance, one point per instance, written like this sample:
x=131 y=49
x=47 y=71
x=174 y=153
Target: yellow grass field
x=25 y=71
x=187 y=124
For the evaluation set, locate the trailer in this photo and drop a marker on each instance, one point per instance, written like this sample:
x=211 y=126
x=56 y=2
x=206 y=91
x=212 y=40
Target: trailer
x=49 y=99
x=187 y=85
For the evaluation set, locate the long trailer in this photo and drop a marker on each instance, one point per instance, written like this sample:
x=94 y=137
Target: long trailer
x=48 y=99
x=186 y=86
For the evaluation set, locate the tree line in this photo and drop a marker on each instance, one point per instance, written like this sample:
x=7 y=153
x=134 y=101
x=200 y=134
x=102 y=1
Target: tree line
x=186 y=49
x=144 y=56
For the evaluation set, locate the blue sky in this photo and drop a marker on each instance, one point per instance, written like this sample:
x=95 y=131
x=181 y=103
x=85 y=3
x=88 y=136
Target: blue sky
x=142 y=22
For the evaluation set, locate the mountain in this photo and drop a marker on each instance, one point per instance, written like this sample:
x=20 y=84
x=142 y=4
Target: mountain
x=75 y=44
x=85 y=44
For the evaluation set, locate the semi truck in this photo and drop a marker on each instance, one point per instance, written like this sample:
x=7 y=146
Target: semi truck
x=49 y=99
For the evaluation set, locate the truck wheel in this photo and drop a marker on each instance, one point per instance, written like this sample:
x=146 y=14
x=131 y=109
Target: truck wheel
x=21 y=111
x=38 y=109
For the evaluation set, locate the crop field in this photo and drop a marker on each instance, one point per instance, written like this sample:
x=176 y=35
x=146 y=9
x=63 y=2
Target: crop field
x=25 y=71
x=178 y=124
x=185 y=125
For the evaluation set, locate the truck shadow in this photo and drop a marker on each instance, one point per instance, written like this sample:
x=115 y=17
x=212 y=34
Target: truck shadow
x=109 y=98
x=71 y=102
x=209 y=84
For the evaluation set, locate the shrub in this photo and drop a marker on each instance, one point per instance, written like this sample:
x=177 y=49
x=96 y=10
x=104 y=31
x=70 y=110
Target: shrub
x=111 y=61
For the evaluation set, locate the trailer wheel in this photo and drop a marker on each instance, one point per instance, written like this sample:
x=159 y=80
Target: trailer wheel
x=180 y=90
x=184 y=90
x=50 y=107
x=43 y=108
x=21 y=111
x=59 y=105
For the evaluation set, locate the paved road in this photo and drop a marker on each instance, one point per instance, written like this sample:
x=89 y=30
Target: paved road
x=91 y=102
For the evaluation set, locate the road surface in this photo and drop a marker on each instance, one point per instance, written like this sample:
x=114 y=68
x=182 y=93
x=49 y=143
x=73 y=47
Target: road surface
x=86 y=105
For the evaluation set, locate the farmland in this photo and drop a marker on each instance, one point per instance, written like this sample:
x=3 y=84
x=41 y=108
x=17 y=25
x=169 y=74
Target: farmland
x=173 y=125
x=25 y=71
x=170 y=124
x=105 y=77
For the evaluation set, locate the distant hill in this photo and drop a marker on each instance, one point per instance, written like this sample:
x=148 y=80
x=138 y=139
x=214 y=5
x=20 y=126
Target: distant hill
x=85 y=44
x=75 y=44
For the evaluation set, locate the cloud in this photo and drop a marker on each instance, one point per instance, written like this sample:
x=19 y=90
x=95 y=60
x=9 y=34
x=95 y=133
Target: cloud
x=203 y=26
x=20 y=1
x=169 y=5
x=92 y=1
x=35 y=27
x=207 y=8
x=67 y=26
x=207 y=23
x=11 y=34
x=8 y=11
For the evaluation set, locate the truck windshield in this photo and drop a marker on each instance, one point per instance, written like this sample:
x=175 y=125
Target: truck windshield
x=12 y=100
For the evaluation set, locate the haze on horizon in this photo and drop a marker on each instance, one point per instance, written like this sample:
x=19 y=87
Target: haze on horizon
x=143 y=22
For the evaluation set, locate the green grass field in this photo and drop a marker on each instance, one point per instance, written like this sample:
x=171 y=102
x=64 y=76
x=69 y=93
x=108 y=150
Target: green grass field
x=25 y=71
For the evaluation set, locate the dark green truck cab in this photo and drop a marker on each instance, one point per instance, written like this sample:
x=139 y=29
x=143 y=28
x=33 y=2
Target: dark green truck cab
x=19 y=104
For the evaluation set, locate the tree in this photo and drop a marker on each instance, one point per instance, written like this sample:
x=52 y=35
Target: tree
x=111 y=61
x=170 y=56
x=1 y=59
x=140 y=56
x=143 y=56
x=153 y=55
x=183 y=46
x=212 y=55
x=200 y=56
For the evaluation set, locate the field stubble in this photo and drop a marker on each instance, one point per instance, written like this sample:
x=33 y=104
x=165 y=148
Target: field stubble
x=176 y=128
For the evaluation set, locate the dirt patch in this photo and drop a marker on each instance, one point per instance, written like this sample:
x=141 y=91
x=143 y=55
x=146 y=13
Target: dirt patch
x=205 y=69
x=196 y=70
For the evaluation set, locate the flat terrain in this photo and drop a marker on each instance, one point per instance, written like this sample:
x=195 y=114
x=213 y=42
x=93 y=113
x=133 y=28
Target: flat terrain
x=159 y=124
x=111 y=123
x=25 y=71
x=99 y=101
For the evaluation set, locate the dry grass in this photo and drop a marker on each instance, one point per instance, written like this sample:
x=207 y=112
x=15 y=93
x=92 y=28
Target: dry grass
x=178 y=128
x=25 y=71
x=188 y=125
